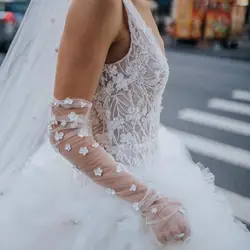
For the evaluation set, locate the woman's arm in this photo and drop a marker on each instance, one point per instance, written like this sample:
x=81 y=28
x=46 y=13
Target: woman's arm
x=91 y=27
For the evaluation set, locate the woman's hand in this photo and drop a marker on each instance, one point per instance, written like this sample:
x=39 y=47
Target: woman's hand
x=170 y=222
x=167 y=218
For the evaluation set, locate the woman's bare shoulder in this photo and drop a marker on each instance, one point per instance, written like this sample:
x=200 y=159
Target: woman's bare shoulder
x=100 y=7
x=90 y=29
x=94 y=15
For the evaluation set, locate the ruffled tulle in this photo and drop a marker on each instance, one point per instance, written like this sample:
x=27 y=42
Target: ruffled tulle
x=55 y=207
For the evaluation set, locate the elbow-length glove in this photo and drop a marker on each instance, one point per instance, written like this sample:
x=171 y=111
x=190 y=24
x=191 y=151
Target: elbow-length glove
x=71 y=135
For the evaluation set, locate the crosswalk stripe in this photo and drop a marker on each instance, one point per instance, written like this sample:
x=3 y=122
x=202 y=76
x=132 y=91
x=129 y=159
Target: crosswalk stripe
x=229 y=106
x=239 y=204
x=215 y=121
x=214 y=149
x=241 y=95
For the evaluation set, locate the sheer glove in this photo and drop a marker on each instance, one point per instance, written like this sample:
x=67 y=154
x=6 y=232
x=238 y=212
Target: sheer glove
x=71 y=135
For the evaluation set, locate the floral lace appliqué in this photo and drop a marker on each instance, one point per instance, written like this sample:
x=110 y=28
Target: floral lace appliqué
x=127 y=104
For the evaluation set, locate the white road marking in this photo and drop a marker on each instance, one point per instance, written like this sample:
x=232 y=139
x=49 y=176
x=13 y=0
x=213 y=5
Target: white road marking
x=229 y=106
x=241 y=95
x=215 y=121
x=217 y=150
x=239 y=204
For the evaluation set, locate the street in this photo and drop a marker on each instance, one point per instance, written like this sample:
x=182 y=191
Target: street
x=207 y=103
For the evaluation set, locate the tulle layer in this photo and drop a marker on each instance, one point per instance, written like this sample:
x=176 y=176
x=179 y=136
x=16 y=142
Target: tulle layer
x=54 y=207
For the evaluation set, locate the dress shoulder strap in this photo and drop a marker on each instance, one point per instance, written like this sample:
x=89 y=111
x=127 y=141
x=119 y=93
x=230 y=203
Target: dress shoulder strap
x=135 y=15
x=140 y=24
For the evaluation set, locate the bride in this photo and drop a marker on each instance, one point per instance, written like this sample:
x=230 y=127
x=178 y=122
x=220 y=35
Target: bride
x=106 y=176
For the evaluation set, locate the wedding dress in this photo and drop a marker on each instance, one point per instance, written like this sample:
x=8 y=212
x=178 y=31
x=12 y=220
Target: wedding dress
x=53 y=205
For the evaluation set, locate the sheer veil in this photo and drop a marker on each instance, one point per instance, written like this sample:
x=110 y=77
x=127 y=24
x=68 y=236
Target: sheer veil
x=26 y=84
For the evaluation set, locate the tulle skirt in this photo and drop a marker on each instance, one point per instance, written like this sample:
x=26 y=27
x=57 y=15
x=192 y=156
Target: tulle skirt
x=55 y=207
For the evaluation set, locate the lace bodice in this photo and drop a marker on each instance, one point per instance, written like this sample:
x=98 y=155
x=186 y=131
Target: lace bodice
x=127 y=104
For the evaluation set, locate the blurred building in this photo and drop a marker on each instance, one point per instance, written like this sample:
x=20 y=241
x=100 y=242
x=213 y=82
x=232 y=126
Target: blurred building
x=164 y=6
x=224 y=21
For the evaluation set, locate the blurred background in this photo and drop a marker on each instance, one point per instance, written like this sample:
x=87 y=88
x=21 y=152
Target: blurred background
x=207 y=98
x=11 y=15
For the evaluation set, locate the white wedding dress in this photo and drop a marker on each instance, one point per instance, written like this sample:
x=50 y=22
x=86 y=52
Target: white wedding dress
x=52 y=206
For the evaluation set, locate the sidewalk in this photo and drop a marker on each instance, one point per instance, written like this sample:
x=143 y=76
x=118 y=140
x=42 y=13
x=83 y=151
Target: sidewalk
x=241 y=53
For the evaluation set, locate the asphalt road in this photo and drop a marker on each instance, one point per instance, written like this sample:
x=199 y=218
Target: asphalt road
x=207 y=103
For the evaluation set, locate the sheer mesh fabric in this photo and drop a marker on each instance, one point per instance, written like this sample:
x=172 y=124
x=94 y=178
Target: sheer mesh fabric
x=71 y=135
